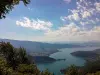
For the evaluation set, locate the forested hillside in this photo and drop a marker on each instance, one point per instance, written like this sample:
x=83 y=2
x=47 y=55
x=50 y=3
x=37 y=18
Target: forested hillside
x=15 y=61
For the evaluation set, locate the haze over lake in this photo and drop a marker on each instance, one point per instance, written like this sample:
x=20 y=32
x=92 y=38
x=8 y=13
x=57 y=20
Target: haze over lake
x=55 y=67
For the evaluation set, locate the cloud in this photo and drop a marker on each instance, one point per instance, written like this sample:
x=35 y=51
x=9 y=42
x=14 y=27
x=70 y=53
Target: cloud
x=35 y=24
x=67 y=1
x=82 y=24
x=96 y=28
x=66 y=29
x=97 y=5
x=73 y=33
x=86 y=20
x=30 y=9
x=74 y=16
x=87 y=13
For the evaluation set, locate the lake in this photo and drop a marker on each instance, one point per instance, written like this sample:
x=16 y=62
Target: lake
x=56 y=66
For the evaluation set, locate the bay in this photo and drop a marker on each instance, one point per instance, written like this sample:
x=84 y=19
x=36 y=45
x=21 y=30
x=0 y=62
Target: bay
x=56 y=66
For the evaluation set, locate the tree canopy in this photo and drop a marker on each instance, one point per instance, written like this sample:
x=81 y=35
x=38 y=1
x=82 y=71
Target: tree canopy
x=7 y=5
x=15 y=61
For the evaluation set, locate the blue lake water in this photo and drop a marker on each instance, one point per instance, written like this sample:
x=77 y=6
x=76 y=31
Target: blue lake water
x=56 y=66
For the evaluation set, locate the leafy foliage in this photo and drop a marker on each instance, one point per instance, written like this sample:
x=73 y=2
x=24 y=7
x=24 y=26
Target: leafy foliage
x=72 y=70
x=13 y=55
x=28 y=69
x=90 y=68
x=8 y=5
x=15 y=61
x=97 y=73
x=8 y=52
x=4 y=69
x=46 y=72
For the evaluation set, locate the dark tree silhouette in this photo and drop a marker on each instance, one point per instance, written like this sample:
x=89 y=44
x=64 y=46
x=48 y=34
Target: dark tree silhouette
x=8 y=5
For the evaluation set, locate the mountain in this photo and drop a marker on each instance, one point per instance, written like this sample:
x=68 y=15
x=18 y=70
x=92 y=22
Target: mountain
x=84 y=54
x=89 y=44
x=31 y=46
x=88 y=55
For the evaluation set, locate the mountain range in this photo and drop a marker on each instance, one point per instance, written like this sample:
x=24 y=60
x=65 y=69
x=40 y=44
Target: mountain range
x=32 y=46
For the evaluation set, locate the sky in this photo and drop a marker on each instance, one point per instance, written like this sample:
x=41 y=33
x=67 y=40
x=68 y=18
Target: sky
x=53 y=21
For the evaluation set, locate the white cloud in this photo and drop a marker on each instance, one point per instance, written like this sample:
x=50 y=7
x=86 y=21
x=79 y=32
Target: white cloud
x=66 y=30
x=97 y=19
x=73 y=33
x=97 y=5
x=84 y=23
x=75 y=16
x=30 y=9
x=96 y=28
x=68 y=1
x=62 y=18
x=85 y=14
x=86 y=18
x=35 y=24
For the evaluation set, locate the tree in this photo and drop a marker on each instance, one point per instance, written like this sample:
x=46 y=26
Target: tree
x=28 y=69
x=13 y=56
x=72 y=70
x=14 y=61
x=9 y=53
x=46 y=72
x=92 y=67
x=97 y=73
x=4 y=69
x=22 y=56
x=8 y=5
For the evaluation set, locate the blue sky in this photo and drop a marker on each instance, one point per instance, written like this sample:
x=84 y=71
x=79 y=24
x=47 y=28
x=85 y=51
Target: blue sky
x=53 y=21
